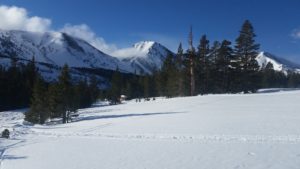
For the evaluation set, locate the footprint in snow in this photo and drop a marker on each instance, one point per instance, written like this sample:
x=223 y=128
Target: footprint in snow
x=251 y=154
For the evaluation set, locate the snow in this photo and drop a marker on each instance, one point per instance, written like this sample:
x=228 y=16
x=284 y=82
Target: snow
x=57 y=48
x=263 y=61
x=144 y=46
x=139 y=49
x=144 y=56
x=254 y=131
x=279 y=64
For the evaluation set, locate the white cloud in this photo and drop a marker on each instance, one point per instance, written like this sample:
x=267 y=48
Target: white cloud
x=127 y=52
x=84 y=32
x=296 y=33
x=16 y=18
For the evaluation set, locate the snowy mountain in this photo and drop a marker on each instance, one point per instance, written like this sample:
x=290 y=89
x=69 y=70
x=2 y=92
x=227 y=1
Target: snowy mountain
x=144 y=57
x=55 y=48
x=279 y=64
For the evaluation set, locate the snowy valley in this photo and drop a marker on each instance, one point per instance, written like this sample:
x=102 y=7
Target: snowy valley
x=157 y=85
x=256 y=131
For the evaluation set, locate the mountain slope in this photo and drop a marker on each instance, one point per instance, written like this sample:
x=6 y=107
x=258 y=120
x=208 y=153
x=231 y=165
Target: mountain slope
x=55 y=48
x=279 y=64
x=144 y=57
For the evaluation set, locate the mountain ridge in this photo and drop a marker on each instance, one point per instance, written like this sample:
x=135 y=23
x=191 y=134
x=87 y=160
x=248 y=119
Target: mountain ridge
x=144 y=57
x=279 y=64
x=57 y=48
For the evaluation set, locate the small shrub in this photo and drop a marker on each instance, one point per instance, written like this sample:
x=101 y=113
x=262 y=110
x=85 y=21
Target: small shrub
x=5 y=133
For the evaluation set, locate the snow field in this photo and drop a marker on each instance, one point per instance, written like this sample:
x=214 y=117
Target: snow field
x=255 y=131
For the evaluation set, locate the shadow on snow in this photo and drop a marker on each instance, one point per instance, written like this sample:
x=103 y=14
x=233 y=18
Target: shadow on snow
x=123 y=116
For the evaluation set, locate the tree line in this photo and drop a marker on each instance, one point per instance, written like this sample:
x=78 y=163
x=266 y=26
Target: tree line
x=22 y=86
x=220 y=67
x=16 y=84
x=60 y=99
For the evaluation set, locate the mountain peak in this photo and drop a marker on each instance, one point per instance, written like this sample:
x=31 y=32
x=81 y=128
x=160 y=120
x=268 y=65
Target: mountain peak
x=145 y=46
x=278 y=63
x=144 y=56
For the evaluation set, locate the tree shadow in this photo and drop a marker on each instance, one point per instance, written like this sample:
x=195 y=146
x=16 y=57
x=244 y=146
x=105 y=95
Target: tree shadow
x=123 y=116
x=12 y=157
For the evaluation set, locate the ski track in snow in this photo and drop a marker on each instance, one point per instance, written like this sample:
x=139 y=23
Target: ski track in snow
x=1 y=157
x=289 y=139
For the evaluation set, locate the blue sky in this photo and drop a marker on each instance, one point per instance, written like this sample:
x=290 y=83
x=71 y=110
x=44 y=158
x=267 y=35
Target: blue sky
x=124 y=22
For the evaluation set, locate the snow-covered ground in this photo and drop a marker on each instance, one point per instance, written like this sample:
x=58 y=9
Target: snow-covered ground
x=255 y=131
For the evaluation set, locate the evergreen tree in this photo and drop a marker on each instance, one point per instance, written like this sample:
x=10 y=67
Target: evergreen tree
x=213 y=69
x=179 y=68
x=93 y=89
x=246 y=51
x=65 y=98
x=202 y=66
x=83 y=93
x=56 y=101
x=222 y=63
x=179 y=56
x=30 y=75
x=171 y=78
x=116 y=86
x=38 y=112
x=269 y=78
x=146 y=84
x=159 y=79
x=293 y=80
x=14 y=87
x=65 y=89
x=191 y=54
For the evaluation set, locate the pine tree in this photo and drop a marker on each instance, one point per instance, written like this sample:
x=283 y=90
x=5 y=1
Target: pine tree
x=213 y=69
x=116 y=86
x=159 y=82
x=15 y=86
x=202 y=66
x=93 y=89
x=179 y=66
x=55 y=101
x=269 y=78
x=30 y=75
x=63 y=98
x=83 y=93
x=65 y=87
x=38 y=112
x=168 y=74
x=191 y=55
x=222 y=63
x=246 y=51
